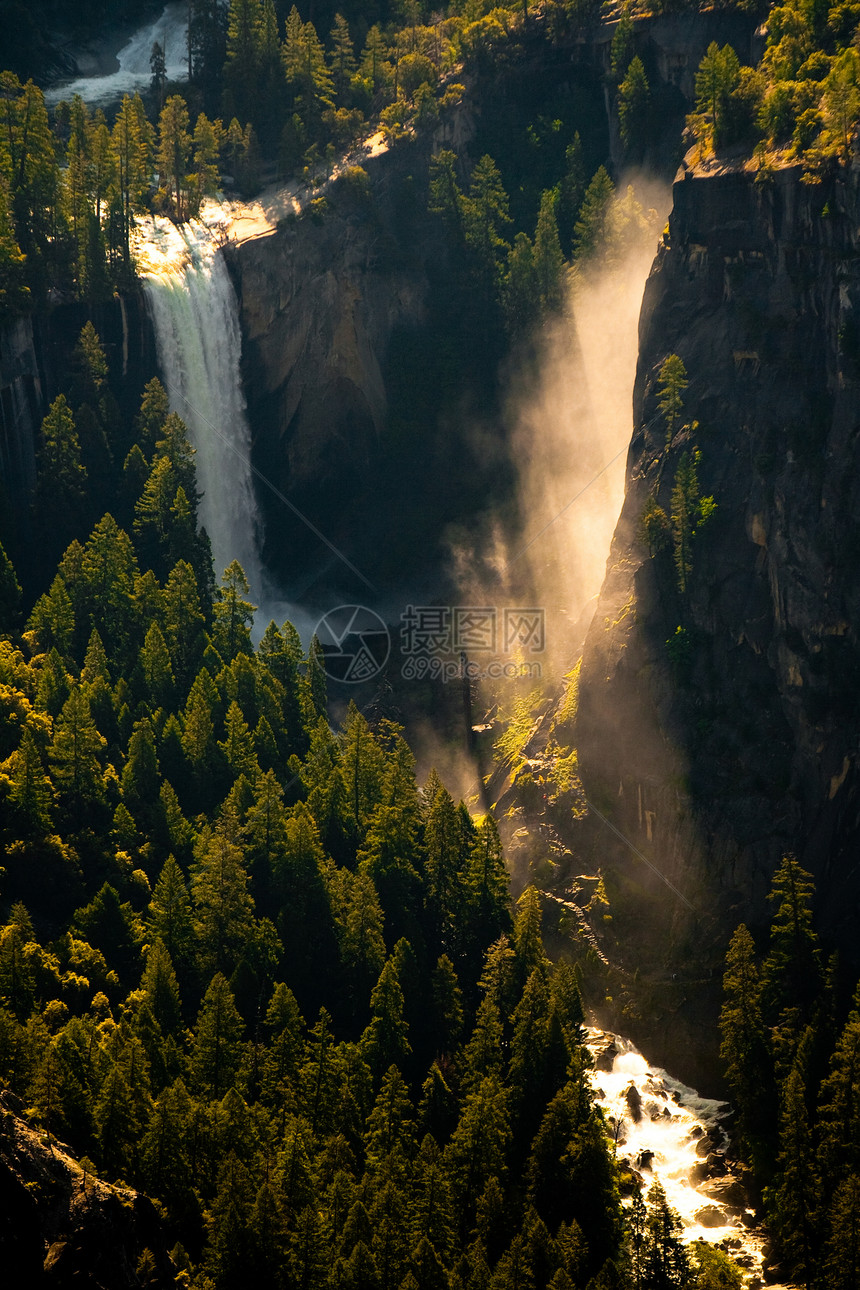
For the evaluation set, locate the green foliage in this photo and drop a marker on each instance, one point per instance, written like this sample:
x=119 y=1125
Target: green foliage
x=794 y=1077
x=591 y=227
x=718 y=76
x=670 y=394
x=634 y=106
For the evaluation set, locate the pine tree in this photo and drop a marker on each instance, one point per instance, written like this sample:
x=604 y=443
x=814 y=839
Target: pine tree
x=792 y=976
x=156 y=668
x=164 y=1152
x=216 y=1051
x=842 y=1253
x=111 y=925
x=108 y=572
x=666 y=1259
x=62 y=480
x=685 y=511
x=718 y=75
x=744 y=1049
x=670 y=394
x=479 y=1145
x=443 y=882
x=385 y=1040
x=14 y=292
x=634 y=106
x=169 y=917
x=228 y=1225
x=183 y=621
x=521 y=292
x=131 y=145
x=589 y=232
x=174 y=151
x=74 y=754
x=241 y=72
x=30 y=791
x=161 y=988
x=391 y=1123
x=571 y=192
x=223 y=907
x=233 y=614
x=548 y=257
x=793 y=1202
x=362 y=944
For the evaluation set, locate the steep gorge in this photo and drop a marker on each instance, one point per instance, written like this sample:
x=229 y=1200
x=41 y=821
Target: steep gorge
x=718 y=728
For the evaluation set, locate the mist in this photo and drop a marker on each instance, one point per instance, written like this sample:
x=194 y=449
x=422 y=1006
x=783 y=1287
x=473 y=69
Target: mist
x=568 y=420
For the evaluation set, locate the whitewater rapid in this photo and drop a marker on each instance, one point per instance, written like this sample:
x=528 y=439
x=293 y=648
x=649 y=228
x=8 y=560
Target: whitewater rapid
x=169 y=29
x=668 y=1133
x=195 y=316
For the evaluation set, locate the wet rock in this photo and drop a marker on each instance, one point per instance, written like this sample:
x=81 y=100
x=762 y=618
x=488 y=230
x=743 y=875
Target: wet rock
x=604 y=1059
x=633 y=1098
x=710 y=1216
x=716 y=1164
x=644 y=1159
x=704 y=1147
x=696 y=1131
x=728 y=1191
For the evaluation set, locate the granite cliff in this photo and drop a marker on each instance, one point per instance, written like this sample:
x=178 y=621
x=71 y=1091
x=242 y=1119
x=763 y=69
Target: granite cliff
x=717 y=728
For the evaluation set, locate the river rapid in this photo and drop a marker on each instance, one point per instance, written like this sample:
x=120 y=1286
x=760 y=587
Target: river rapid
x=666 y=1132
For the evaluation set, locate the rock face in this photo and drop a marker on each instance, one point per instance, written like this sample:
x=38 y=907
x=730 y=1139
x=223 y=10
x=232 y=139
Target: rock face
x=320 y=301
x=60 y=1227
x=738 y=741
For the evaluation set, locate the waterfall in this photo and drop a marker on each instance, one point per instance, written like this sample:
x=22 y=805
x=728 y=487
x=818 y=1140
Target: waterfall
x=196 y=319
x=170 y=29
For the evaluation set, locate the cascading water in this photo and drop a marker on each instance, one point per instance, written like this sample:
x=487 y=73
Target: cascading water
x=667 y=1133
x=169 y=29
x=195 y=315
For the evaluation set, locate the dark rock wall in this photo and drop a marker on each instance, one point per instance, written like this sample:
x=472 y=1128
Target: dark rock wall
x=717 y=755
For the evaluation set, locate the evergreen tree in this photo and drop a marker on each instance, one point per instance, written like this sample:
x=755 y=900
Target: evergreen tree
x=174 y=151
x=670 y=395
x=718 y=75
x=571 y=192
x=744 y=1050
x=589 y=232
x=223 y=907
x=30 y=791
x=233 y=614
x=62 y=480
x=74 y=754
x=216 y=1052
x=548 y=258
x=385 y=1040
x=634 y=105
x=169 y=917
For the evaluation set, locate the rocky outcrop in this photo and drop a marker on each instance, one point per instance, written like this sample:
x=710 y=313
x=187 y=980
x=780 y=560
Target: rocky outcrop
x=60 y=1226
x=718 y=728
